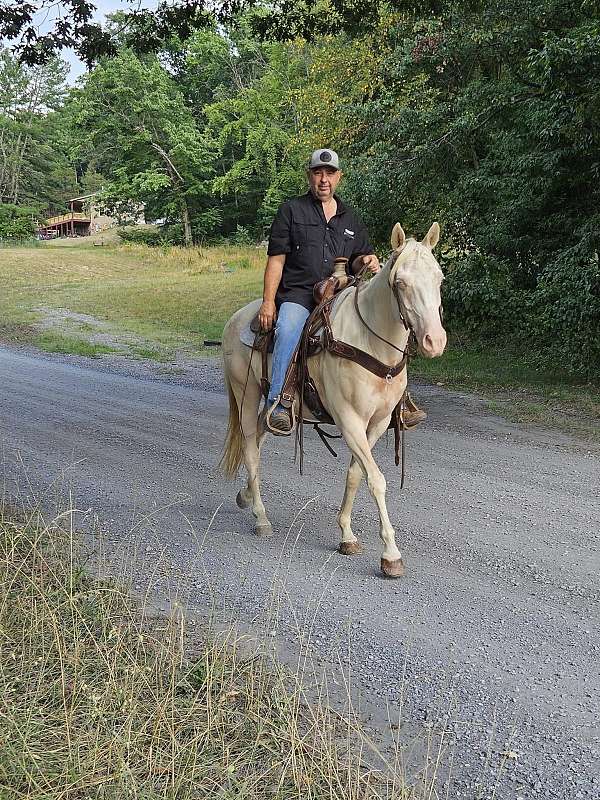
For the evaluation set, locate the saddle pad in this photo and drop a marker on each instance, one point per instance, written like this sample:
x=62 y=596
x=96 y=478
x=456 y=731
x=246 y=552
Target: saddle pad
x=247 y=336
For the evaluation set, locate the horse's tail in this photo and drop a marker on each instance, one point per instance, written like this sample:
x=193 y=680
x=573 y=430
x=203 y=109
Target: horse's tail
x=233 y=452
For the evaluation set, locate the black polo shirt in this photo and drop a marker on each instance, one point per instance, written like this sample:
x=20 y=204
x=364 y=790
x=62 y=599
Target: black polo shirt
x=311 y=244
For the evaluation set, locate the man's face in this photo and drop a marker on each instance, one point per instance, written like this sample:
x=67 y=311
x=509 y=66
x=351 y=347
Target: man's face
x=323 y=182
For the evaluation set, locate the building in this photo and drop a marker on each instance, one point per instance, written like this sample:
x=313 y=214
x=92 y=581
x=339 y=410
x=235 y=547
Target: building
x=85 y=218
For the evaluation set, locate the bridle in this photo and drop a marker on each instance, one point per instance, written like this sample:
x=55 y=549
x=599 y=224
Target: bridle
x=396 y=292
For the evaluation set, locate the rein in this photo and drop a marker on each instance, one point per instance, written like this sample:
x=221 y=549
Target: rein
x=352 y=353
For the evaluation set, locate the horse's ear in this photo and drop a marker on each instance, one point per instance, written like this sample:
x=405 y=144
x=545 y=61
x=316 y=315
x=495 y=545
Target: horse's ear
x=398 y=237
x=433 y=236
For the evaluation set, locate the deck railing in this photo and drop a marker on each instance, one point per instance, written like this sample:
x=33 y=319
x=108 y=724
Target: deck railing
x=76 y=215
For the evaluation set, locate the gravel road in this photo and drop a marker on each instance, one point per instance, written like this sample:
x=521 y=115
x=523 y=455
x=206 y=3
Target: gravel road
x=490 y=645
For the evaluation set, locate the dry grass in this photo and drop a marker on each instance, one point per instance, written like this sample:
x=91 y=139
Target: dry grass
x=100 y=699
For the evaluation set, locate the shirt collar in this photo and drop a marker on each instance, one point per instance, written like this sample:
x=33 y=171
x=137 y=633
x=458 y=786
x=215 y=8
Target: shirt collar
x=340 y=203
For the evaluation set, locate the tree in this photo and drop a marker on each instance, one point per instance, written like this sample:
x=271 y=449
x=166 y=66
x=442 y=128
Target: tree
x=487 y=119
x=144 y=139
x=145 y=31
x=17 y=222
x=33 y=165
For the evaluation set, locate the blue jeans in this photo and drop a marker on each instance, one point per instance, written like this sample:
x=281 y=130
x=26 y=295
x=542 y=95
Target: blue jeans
x=290 y=321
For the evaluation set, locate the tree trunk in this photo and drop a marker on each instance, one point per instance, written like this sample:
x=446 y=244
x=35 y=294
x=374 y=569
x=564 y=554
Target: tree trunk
x=177 y=182
x=187 y=226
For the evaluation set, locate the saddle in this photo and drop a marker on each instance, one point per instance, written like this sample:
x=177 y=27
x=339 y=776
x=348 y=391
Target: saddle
x=311 y=343
x=317 y=335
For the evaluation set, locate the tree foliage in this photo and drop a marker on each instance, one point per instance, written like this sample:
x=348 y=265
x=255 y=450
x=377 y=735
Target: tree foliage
x=34 y=164
x=144 y=140
x=17 y=222
x=70 y=23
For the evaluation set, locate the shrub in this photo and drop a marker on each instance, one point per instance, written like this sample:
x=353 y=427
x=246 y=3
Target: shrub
x=151 y=235
x=478 y=293
x=567 y=312
x=142 y=234
x=242 y=236
x=17 y=222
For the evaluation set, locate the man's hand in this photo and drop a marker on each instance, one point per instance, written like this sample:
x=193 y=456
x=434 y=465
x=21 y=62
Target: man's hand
x=267 y=314
x=371 y=262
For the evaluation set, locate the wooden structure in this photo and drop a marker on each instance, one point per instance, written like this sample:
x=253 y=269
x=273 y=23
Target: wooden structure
x=84 y=218
x=77 y=222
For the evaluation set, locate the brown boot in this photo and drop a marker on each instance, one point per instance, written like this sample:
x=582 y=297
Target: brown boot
x=412 y=414
x=279 y=420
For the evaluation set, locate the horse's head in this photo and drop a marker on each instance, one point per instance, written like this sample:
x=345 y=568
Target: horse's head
x=415 y=278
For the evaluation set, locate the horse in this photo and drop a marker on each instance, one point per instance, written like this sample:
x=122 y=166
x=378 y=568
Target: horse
x=403 y=297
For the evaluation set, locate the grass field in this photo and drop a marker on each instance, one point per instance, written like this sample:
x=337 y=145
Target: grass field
x=71 y=296
x=103 y=700
x=172 y=298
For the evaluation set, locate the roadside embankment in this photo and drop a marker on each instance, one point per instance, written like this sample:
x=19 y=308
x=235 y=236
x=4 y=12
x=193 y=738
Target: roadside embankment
x=103 y=698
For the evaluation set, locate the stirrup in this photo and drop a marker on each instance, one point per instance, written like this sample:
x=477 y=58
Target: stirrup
x=413 y=415
x=292 y=417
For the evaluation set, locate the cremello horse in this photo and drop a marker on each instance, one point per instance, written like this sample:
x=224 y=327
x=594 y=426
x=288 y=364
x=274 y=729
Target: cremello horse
x=360 y=403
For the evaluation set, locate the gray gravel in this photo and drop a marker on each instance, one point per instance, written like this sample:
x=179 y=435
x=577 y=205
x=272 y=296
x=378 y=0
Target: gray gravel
x=489 y=647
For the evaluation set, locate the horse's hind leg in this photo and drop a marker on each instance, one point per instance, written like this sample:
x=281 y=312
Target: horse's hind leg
x=349 y=544
x=251 y=447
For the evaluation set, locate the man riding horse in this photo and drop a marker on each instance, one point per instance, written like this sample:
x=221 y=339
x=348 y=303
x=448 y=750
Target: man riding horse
x=308 y=233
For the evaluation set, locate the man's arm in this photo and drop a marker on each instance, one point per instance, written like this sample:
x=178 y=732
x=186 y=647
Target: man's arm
x=267 y=312
x=279 y=246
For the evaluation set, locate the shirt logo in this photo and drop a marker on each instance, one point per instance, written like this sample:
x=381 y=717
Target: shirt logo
x=348 y=233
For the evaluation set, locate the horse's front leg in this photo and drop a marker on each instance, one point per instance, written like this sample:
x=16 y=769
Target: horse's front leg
x=353 y=431
x=349 y=544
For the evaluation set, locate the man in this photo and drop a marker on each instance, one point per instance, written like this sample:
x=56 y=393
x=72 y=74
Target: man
x=307 y=234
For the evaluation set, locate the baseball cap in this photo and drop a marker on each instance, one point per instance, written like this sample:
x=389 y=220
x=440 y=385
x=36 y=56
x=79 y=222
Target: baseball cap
x=324 y=158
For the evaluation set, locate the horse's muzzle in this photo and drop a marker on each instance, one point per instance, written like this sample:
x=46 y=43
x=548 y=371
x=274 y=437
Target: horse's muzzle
x=433 y=343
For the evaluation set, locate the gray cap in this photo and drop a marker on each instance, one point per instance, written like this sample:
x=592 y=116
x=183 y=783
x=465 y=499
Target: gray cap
x=324 y=158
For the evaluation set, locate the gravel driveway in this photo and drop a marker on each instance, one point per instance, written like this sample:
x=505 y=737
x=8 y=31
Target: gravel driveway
x=490 y=645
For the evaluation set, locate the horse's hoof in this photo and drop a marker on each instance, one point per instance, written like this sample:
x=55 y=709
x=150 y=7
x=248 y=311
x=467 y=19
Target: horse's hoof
x=241 y=500
x=392 y=569
x=263 y=530
x=350 y=548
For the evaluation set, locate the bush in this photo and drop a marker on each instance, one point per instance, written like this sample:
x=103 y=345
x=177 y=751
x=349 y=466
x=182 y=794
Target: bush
x=478 y=294
x=557 y=322
x=567 y=317
x=153 y=236
x=16 y=222
x=242 y=237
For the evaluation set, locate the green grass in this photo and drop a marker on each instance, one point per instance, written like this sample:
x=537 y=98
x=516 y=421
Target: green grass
x=171 y=296
x=151 y=353
x=514 y=386
x=57 y=343
x=103 y=699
